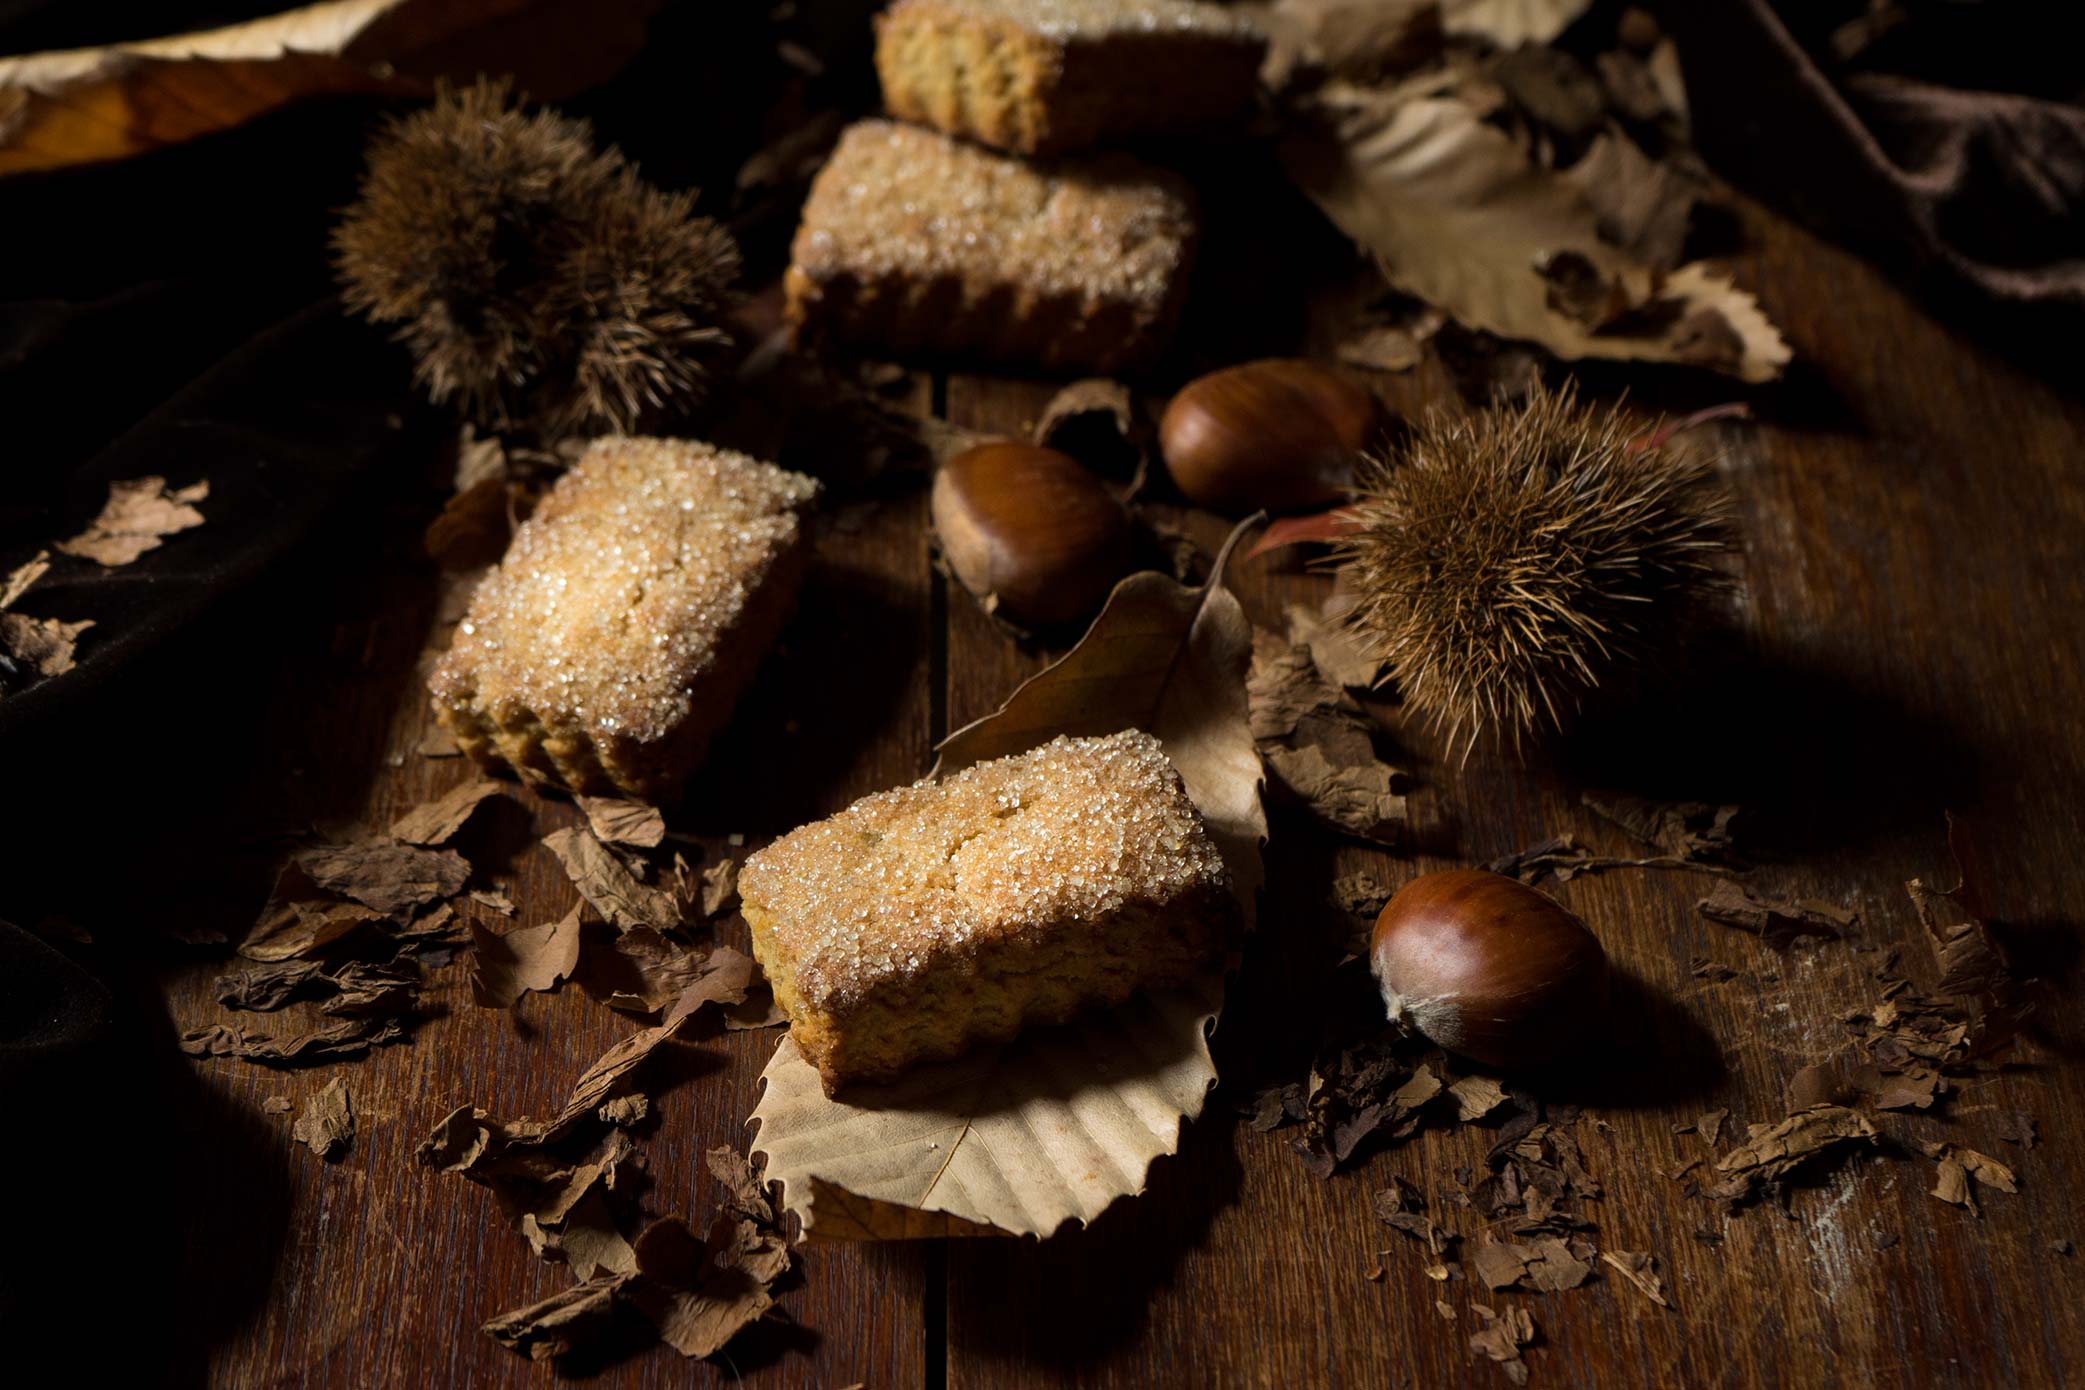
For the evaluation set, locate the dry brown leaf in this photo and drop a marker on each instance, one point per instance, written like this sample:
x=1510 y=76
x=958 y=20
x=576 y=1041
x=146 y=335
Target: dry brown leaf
x=639 y=971
x=44 y=645
x=1778 y=922
x=1361 y=39
x=719 y=887
x=138 y=517
x=357 y=987
x=1510 y=23
x=1455 y=212
x=327 y=1125
x=1476 y=1097
x=1970 y=961
x=554 y=1326
x=532 y=959
x=290 y=928
x=1957 y=1166
x=1501 y=1336
x=434 y=822
x=346 y=1037
x=1319 y=745
x=1095 y=422
x=18 y=580
x=609 y=886
x=1058 y=1124
x=1334 y=648
x=1644 y=206
x=1771 y=1152
x=619 y=821
x=390 y=877
x=84 y=105
x=1635 y=1266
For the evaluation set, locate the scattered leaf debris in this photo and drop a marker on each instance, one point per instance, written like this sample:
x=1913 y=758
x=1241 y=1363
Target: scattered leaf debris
x=609 y=886
x=22 y=576
x=327 y=1125
x=275 y=1105
x=506 y=966
x=1360 y=894
x=138 y=517
x=620 y=821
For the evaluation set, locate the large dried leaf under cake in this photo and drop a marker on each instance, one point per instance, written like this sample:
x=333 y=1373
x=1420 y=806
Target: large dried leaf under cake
x=1058 y=1124
x=1456 y=213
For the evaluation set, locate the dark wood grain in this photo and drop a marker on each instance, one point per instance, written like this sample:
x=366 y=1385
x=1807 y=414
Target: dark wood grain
x=1911 y=641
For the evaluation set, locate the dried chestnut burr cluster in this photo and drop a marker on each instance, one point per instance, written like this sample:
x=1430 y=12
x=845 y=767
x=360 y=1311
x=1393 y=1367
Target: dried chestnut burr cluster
x=541 y=284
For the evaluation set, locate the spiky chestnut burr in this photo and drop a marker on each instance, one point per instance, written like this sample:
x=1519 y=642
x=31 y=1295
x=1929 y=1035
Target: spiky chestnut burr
x=540 y=283
x=1508 y=561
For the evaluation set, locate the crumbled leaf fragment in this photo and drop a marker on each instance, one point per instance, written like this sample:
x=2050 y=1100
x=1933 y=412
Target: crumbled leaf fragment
x=327 y=1125
x=137 y=517
x=1957 y=1167
x=619 y=821
x=554 y=1326
x=1637 y=1267
x=1778 y=922
x=1500 y=1336
x=385 y=875
x=22 y=576
x=609 y=886
x=637 y=971
x=1476 y=1097
x=346 y=1037
x=719 y=887
x=507 y=965
x=435 y=822
x=1319 y=745
x=1772 y=1151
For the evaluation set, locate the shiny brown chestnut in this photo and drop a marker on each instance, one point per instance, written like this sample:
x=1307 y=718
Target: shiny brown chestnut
x=1030 y=532
x=1486 y=966
x=1280 y=433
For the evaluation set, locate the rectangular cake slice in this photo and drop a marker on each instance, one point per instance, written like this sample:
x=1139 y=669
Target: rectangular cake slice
x=1049 y=76
x=627 y=616
x=914 y=242
x=921 y=921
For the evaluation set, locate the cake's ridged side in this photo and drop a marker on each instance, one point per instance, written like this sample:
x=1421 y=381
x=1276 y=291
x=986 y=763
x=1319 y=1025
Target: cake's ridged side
x=968 y=75
x=999 y=320
x=987 y=78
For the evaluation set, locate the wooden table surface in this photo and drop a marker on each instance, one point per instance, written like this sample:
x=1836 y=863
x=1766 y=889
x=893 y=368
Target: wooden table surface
x=1913 y=643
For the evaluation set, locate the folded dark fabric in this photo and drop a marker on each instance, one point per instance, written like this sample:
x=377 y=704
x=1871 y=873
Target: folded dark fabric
x=1976 y=195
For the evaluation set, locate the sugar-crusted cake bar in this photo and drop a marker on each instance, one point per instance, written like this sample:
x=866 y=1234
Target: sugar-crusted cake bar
x=1048 y=76
x=912 y=241
x=921 y=921
x=628 y=614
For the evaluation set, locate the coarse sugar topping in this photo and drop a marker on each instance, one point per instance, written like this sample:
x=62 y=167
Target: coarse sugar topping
x=922 y=877
x=1062 y=19
x=895 y=200
x=612 y=598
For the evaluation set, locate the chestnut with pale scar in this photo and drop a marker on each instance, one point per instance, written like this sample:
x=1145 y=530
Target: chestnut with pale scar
x=1486 y=966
